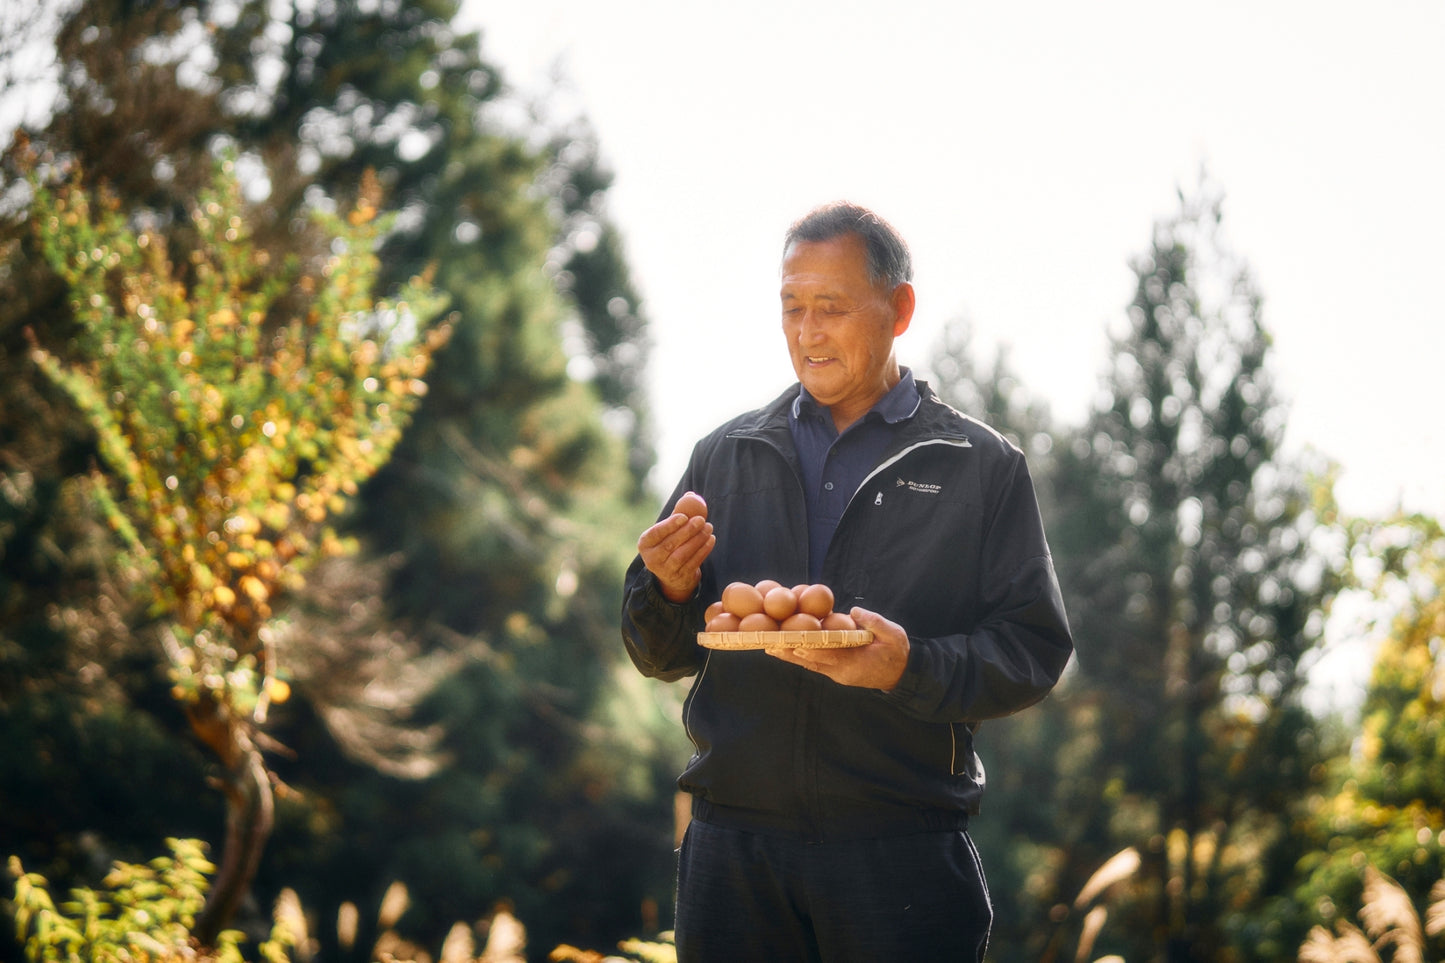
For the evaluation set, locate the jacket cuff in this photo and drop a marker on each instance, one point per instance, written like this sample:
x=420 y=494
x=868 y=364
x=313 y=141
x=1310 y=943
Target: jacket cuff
x=654 y=597
x=906 y=690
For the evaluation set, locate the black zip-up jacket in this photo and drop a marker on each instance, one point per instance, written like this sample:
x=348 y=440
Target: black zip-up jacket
x=943 y=538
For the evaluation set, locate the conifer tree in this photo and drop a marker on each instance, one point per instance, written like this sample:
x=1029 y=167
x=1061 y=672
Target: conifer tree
x=1182 y=538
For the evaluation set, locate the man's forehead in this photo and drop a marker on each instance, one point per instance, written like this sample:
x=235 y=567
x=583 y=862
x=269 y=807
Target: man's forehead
x=828 y=286
x=818 y=289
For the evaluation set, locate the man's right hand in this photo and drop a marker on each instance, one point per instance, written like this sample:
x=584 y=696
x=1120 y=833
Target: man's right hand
x=673 y=551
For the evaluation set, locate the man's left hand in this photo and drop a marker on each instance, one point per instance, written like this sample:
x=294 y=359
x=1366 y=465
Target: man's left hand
x=877 y=665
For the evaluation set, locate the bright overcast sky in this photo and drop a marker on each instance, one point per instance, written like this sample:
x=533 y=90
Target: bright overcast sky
x=1025 y=151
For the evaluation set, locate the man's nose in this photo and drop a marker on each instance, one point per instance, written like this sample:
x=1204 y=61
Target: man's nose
x=810 y=331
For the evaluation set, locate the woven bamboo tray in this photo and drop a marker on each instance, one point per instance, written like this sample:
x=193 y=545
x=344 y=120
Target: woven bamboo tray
x=827 y=639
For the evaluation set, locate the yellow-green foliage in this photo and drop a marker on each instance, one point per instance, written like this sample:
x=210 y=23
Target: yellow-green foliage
x=143 y=915
x=236 y=403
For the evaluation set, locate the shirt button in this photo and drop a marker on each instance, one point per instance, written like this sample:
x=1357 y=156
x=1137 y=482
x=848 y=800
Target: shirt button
x=827 y=486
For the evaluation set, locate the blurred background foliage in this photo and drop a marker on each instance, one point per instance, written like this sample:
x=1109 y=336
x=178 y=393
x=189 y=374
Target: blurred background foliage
x=460 y=720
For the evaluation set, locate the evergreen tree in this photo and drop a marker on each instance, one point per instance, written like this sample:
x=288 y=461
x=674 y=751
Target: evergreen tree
x=995 y=395
x=593 y=273
x=1198 y=600
x=498 y=533
x=1162 y=777
x=510 y=507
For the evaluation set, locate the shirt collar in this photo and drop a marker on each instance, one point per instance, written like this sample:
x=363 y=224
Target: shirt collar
x=899 y=404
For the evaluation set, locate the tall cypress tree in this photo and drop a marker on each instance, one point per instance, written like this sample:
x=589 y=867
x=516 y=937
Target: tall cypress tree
x=1197 y=601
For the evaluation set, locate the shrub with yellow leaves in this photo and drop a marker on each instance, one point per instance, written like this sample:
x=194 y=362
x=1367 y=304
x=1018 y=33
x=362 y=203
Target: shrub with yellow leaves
x=236 y=404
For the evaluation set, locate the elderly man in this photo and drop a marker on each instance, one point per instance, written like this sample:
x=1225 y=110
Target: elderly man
x=832 y=787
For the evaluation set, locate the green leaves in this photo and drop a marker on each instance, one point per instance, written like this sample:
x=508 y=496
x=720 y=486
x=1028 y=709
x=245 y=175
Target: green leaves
x=146 y=912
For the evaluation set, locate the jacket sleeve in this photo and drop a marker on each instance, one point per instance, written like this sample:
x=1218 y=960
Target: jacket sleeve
x=660 y=635
x=1020 y=644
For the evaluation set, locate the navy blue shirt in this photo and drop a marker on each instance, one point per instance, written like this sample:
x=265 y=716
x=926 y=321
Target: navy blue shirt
x=835 y=465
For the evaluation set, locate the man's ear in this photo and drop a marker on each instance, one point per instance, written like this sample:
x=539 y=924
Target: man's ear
x=903 y=300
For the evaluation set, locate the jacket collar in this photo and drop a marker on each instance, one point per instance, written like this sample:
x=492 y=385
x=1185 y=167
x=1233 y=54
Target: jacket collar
x=932 y=420
x=899 y=403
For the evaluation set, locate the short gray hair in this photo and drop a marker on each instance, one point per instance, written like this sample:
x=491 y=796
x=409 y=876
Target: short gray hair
x=889 y=263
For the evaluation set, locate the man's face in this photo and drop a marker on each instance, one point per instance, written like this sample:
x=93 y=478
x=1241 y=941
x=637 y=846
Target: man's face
x=839 y=326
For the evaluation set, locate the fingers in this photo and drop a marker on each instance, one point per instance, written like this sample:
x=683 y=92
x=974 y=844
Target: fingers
x=676 y=535
x=659 y=532
x=877 y=665
x=689 y=556
x=814 y=660
x=787 y=653
x=674 y=550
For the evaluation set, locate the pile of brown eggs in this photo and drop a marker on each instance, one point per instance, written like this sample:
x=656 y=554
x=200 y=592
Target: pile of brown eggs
x=770 y=606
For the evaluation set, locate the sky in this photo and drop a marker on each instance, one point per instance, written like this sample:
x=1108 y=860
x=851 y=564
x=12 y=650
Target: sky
x=1025 y=151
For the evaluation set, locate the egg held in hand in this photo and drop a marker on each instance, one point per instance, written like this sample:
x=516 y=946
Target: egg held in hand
x=690 y=504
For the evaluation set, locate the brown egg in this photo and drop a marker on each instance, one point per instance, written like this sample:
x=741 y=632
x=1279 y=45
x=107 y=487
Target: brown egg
x=839 y=622
x=801 y=622
x=767 y=585
x=712 y=611
x=780 y=603
x=758 y=622
x=816 y=600
x=691 y=504
x=742 y=599
x=723 y=622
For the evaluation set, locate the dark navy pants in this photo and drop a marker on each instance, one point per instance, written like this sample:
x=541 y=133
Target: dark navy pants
x=745 y=897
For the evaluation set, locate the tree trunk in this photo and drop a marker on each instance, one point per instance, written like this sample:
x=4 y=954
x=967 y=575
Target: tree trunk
x=250 y=813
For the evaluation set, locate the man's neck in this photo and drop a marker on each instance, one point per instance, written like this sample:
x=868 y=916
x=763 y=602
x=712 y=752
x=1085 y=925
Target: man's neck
x=846 y=415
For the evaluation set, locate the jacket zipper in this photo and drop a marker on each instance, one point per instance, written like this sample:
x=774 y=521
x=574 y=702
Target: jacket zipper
x=804 y=778
x=926 y=443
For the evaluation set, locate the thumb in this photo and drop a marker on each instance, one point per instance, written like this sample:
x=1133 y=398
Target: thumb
x=864 y=618
x=881 y=627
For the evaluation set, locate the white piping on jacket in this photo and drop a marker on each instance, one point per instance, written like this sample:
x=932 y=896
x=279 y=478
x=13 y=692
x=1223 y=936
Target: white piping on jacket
x=962 y=442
